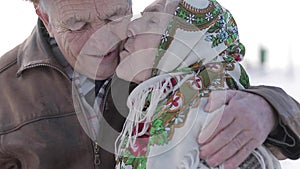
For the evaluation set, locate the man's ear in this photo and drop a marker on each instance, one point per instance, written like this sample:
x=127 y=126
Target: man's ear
x=44 y=17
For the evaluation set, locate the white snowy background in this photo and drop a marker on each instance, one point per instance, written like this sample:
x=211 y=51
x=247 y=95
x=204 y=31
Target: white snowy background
x=268 y=24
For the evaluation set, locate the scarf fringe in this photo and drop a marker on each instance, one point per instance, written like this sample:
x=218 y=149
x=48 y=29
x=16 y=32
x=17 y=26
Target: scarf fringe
x=157 y=88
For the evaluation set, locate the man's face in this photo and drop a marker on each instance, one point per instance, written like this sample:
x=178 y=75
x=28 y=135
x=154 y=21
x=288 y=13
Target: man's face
x=89 y=33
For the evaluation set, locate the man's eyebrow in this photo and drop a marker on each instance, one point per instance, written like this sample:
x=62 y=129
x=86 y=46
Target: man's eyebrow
x=70 y=21
x=75 y=19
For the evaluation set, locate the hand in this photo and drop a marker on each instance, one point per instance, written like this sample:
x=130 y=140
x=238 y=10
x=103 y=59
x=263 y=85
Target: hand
x=246 y=121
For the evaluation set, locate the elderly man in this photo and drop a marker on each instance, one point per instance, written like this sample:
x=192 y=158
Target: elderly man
x=39 y=125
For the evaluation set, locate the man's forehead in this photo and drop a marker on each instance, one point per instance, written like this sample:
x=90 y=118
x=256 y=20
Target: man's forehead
x=63 y=9
x=61 y=5
x=110 y=3
x=96 y=3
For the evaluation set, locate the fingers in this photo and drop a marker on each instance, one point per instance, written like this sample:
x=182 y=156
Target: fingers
x=234 y=161
x=235 y=147
x=231 y=136
x=231 y=146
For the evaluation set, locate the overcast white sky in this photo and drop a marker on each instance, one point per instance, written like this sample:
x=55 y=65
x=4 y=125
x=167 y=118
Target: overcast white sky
x=268 y=23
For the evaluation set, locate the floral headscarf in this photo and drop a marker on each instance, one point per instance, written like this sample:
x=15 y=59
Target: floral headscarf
x=199 y=52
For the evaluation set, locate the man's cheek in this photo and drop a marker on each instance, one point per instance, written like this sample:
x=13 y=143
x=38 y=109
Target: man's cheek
x=74 y=43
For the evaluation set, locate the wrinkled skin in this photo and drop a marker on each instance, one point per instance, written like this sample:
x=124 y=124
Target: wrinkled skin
x=89 y=33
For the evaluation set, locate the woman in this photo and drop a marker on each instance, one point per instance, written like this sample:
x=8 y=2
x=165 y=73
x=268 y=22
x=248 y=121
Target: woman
x=198 y=53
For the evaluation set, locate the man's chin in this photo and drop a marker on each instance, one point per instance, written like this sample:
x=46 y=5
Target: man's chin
x=102 y=76
x=99 y=76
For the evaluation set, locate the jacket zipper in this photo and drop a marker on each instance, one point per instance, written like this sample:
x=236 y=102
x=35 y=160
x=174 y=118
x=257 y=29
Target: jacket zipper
x=97 y=159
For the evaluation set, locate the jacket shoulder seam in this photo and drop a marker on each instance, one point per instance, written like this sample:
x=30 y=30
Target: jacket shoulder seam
x=9 y=64
x=2 y=69
x=8 y=59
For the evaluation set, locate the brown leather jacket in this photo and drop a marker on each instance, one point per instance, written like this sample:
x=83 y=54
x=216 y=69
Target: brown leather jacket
x=39 y=128
x=38 y=125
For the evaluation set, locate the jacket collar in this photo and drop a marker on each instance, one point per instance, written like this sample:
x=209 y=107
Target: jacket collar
x=36 y=50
